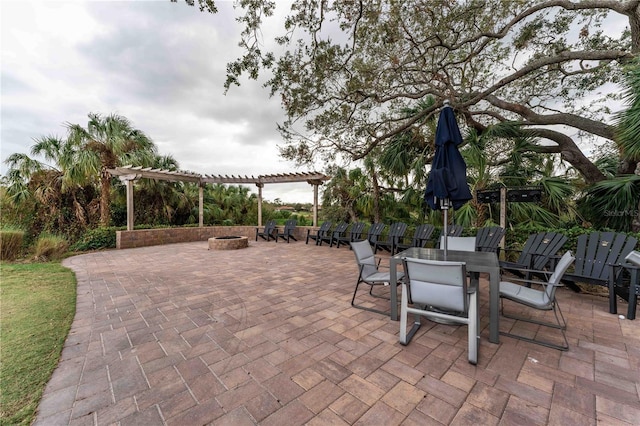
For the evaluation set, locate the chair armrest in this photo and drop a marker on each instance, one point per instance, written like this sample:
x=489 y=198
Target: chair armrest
x=531 y=275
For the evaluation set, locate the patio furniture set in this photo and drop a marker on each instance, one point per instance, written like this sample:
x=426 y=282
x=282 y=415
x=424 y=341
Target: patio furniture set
x=443 y=286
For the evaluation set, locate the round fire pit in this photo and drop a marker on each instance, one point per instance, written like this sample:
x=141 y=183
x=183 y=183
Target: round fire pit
x=228 y=243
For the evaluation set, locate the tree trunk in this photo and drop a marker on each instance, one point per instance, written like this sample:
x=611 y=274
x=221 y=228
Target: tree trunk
x=105 y=198
x=376 y=197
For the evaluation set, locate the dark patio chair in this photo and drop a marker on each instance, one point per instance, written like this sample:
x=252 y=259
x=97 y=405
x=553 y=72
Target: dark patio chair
x=268 y=232
x=287 y=232
x=396 y=233
x=339 y=230
x=420 y=237
x=488 y=238
x=374 y=233
x=537 y=253
x=594 y=253
x=323 y=231
x=354 y=234
x=619 y=286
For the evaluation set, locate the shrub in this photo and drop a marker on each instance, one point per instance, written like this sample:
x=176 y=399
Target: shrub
x=95 y=239
x=11 y=241
x=50 y=247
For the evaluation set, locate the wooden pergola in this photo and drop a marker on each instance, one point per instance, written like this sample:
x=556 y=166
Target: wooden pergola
x=129 y=174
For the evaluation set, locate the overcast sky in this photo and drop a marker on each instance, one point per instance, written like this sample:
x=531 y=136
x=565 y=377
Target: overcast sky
x=160 y=64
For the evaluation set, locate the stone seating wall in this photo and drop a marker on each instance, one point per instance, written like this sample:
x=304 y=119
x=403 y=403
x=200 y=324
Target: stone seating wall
x=153 y=237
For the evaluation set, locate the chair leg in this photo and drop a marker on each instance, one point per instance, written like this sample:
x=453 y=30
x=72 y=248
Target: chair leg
x=634 y=290
x=375 y=295
x=364 y=307
x=405 y=337
x=560 y=325
x=473 y=334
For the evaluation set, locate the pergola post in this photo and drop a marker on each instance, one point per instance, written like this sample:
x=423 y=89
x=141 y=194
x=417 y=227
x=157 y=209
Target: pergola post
x=128 y=181
x=259 y=185
x=315 y=204
x=503 y=214
x=201 y=205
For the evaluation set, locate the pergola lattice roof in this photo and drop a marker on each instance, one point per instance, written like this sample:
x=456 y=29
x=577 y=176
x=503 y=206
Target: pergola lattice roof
x=128 y=174
x=168 y=175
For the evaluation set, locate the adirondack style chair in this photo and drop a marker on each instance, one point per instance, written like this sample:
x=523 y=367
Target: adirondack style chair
x=268 y=232
x=324 y=230
x=594 y=253
x=396 y=233
x=629 y=289
x=354 y=234
x=375 y=232
x=488 y=238
x=339 y=230
x=538 y=251
x=287 y=232
x=420 y=237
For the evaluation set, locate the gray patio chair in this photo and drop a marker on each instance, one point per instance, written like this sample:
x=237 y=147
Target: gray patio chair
x=452 y=231
x=459 y=243
x=543 y=299
x=369 y=272
x=441 y=287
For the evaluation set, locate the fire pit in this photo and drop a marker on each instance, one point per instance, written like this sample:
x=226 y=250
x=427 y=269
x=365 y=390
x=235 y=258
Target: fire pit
x=228 y=243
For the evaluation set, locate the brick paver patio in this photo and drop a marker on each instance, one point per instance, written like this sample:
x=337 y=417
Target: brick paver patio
x=180 y=335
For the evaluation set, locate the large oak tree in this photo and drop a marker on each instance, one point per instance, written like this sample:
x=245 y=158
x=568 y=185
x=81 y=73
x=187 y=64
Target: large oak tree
x=349 y=70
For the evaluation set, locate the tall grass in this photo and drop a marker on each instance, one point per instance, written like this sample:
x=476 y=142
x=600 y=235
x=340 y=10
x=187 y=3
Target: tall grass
x=38 y=304
x=50 y=247
x=11 y=240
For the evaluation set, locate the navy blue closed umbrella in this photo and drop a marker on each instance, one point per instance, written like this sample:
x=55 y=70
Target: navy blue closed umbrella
x=447 y=185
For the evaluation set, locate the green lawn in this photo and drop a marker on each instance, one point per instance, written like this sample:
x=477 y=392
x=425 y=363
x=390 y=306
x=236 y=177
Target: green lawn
x=37 y=305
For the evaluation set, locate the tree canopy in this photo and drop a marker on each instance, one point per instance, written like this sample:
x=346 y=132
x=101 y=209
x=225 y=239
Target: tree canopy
x=347 y=72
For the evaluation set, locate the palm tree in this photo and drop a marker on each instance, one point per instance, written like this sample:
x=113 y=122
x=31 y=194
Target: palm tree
x=107 y=142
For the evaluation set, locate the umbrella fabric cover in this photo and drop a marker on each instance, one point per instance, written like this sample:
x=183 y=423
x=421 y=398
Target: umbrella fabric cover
x=448 y=176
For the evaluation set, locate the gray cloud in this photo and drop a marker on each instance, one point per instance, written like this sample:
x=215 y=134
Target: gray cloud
x=160 y=64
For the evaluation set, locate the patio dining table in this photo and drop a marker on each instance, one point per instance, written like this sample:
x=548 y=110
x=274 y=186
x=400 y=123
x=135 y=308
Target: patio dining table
x=481 y=262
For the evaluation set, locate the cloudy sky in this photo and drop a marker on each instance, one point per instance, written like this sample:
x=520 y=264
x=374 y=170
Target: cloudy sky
x=160 y=64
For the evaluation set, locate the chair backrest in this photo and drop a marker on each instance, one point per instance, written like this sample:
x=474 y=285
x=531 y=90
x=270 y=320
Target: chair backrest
x=439 y=284
x=356 y=230
x=422 y=235
x=453 y=230
x=599 y=249
x=541 y=246
x=270 y=226
x=364 y=257
x=290 y=226
x=341 y=228
x=397 y=231
x=325 y=228
x=488 y=238
x=554 y=280
x=375 y=231
x=459 y=243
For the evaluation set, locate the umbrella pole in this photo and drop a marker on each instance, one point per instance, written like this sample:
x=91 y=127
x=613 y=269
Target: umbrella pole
x=445 y=207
